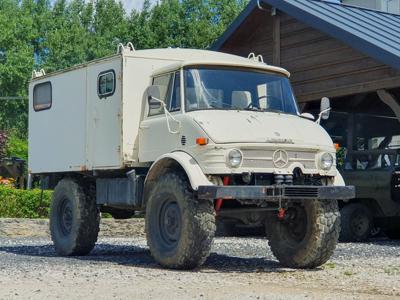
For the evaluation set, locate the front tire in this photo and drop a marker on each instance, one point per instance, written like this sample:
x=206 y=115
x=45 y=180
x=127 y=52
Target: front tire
x=179 y=228
x=307 y=236
x=74 y=218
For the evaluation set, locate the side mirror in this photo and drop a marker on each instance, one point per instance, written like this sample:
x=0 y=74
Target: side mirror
x=325 y=108
x=153 y=95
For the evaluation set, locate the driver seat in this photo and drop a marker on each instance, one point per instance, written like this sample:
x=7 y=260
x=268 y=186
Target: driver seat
x=241 y=99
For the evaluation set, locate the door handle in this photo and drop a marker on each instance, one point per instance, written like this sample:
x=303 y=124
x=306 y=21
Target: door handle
x=144 y=127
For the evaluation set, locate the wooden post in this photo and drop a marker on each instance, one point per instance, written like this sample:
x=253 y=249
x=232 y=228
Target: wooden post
x=276 y=40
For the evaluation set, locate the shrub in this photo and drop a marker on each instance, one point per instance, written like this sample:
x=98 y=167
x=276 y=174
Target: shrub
x=3 y=144
x=17 y=147
x=16 y=203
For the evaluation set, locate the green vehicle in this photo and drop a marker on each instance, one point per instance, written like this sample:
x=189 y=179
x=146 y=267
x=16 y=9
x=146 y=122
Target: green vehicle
x=369 y=159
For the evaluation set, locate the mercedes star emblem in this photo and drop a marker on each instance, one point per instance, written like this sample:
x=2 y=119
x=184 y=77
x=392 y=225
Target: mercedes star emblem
x=280 y=158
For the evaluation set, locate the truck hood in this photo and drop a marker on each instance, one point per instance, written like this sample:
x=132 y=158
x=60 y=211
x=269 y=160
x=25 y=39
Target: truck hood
x=260 y=127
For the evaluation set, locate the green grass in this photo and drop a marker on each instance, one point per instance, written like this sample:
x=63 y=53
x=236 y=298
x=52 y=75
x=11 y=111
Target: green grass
x=349 y=273
x=329 y=265
x=392 y=270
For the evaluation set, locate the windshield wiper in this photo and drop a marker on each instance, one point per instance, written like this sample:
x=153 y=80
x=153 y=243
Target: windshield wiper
x=253 y=108
x=274 y=110
x=220 y=105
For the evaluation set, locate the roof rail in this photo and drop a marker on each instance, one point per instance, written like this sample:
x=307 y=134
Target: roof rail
x=36 y=74
x=258 y=58
x=121 y=48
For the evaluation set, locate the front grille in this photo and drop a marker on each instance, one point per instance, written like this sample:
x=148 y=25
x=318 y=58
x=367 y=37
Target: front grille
x=299 y=192
x=253 y=158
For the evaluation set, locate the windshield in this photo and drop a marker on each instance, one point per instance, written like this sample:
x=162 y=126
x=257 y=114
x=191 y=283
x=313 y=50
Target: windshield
x=238 y=89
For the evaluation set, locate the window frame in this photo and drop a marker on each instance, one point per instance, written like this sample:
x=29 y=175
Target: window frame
x=104 y=73
x=51 y=96
x=171 y=79
x=243 y=69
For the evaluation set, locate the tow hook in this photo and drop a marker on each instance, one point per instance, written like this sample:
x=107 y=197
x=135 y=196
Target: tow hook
x=281 y=214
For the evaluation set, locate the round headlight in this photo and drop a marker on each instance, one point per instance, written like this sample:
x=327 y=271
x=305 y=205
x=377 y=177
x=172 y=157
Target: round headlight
x=235 y=158
x=326 y=161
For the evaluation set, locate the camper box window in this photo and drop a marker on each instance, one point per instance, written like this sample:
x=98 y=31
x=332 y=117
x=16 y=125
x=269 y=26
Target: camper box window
x=42 y=98
x=106 y=84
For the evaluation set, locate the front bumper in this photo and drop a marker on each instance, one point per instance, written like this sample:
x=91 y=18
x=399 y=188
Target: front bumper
x=276 y=192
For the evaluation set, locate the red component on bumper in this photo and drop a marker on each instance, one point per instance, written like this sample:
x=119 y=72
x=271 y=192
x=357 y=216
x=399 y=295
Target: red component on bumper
x=219 y=202
x=281 y=214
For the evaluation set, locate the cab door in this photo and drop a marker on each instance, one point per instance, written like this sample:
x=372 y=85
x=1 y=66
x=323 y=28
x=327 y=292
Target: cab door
x=155 y=138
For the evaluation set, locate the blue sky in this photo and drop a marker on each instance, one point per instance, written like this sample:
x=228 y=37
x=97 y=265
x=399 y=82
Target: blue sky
x=132 y=4
x=128 y=4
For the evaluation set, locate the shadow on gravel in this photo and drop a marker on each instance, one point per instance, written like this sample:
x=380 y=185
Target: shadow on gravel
x=134 y=256
x=137 y=256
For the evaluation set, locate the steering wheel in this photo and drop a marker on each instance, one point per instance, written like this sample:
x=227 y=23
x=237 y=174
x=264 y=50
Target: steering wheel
x=252 y=106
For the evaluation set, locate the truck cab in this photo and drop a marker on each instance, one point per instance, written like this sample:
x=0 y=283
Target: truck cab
x=195 y=136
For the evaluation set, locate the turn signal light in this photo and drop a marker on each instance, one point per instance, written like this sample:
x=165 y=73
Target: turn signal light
x=202 y=141
x=337 y=146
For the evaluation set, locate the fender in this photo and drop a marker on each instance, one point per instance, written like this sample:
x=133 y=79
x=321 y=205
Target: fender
x=338 y=181
x=185 y=161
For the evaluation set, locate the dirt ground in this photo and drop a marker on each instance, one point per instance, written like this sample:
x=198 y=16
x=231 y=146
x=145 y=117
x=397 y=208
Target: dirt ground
x=121 y=267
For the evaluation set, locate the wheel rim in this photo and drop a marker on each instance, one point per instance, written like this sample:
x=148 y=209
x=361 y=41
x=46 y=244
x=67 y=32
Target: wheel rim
x=65 y=217
x=294 y=228
x=360 y=224
x=170 y=223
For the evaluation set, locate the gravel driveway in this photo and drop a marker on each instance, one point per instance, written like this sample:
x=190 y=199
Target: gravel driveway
x=238 y=268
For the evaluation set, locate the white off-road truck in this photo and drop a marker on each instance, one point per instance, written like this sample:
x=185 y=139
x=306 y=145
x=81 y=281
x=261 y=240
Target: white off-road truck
x=187 y=136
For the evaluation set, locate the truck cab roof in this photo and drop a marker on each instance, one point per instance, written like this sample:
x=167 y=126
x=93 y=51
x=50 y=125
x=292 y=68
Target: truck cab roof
x=194 y=57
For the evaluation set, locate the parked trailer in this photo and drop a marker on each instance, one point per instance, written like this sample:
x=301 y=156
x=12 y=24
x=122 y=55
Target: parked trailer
x=186 y=136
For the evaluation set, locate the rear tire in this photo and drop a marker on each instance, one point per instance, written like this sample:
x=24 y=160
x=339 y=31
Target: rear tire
x=179 y=228
x=393 y=233
x=74 y=218
x=308 y=235
x=357 y=223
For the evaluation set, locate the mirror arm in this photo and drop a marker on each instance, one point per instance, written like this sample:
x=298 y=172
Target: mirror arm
x=321 y=113
x=167 y=113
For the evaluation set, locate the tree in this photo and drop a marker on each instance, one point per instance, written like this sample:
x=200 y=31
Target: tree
x=16 y=64
x=66 y=42
x=140 y=32
x=109 y=28
x=36 y=34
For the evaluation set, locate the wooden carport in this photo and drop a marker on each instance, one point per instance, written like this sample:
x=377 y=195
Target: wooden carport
x=342 y=52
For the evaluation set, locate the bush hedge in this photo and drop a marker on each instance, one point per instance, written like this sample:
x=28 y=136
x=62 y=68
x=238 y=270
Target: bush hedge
x=16 y=203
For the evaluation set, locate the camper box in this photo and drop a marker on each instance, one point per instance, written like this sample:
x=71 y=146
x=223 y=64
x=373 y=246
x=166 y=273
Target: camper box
x=87 y=117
